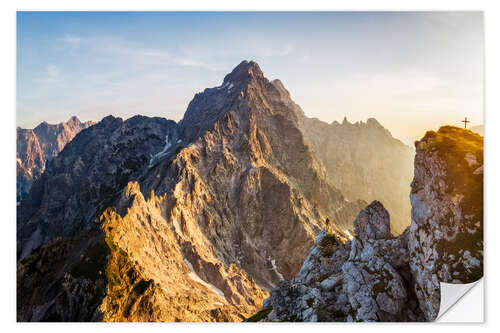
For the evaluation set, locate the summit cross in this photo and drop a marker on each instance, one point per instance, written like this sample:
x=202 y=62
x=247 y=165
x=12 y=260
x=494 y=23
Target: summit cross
x=465 y=121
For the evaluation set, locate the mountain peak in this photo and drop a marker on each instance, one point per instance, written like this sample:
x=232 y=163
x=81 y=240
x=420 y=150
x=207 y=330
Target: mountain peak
x=244 y=72
x=36 y=146
x=74 y=120
x=209 y=106
x=373 y=122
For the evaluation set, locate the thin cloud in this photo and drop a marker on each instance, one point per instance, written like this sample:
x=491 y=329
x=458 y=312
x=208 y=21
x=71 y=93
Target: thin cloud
x=53 y=71
x=401 y=64
x=51 y=74
x=137 y=54
x=288 y=49
x=71 y=40
x=163 y=57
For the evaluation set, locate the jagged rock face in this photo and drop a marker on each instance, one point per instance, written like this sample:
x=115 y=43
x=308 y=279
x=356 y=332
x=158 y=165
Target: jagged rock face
x=86 y=177
x=181 y=278
x=366 y=279
x=63 y=280
x=256 y=159
x=24 y=180
x=373 y=223
x=219 y=203
x=365 y=162
x=36 y=146
x=446 y=234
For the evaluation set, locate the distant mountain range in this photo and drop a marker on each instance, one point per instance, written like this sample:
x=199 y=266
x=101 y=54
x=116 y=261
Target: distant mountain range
x=151 y=220
x=365 y=162
x=478 y=129
x=36 y=146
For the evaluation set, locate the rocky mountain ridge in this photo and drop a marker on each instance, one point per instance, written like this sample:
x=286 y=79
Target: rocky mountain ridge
x=79 y=183
x=365 y=162
x=362 y=160
x=36 y=146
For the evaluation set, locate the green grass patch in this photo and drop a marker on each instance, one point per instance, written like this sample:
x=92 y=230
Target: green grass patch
x=323 y=277
x=259 y=315
x=328 y=244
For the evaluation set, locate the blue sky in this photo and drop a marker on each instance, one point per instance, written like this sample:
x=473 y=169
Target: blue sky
x=411 y=71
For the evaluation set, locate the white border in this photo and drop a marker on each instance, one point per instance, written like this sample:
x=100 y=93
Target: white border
x=7 y=88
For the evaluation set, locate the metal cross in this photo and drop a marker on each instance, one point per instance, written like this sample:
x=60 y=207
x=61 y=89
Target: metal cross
x=465 y=121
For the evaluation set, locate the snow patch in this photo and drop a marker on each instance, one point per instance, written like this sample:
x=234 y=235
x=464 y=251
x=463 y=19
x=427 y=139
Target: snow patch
x=273 y=262
x=162 y=153
x=193 y=276
x=223 y=86
x=228 y=85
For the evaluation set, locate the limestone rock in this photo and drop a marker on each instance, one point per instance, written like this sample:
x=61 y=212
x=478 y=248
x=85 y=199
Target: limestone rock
x=364 y=279
x=36 y=146
x=373 y=223
x=446 y=234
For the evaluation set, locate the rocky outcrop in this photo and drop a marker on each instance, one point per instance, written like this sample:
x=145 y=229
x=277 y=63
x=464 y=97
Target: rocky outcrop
x=36 y=146
x=446 y=234
x=363 y=279
x=379 y=277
